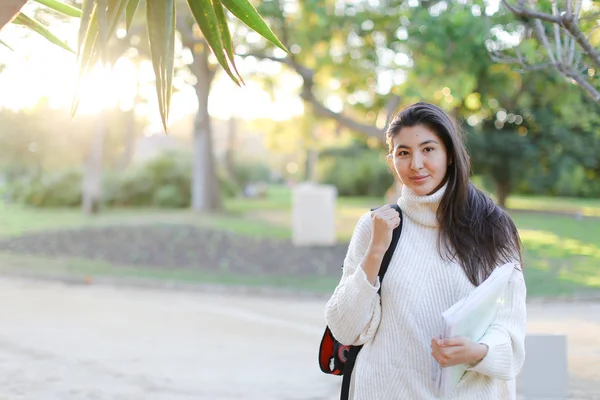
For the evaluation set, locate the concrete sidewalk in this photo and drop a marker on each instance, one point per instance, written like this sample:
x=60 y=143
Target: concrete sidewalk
x=61 y=342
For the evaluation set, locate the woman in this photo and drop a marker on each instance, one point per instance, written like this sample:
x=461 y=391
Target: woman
x=453 y=236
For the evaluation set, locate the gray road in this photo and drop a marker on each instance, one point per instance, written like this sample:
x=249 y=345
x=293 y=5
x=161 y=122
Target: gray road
x=96 y=342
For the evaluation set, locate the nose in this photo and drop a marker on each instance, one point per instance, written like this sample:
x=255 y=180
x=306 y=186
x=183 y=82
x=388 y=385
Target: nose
x=416 y=163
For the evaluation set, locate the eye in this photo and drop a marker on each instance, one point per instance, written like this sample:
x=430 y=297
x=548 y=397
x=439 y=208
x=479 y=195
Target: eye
x=402 y=153
x=428 y=149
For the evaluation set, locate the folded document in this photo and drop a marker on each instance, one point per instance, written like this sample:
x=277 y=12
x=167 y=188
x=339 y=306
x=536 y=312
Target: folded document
x=471 y=317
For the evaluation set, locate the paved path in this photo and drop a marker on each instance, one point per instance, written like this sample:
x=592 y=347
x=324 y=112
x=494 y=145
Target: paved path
x=60 y=342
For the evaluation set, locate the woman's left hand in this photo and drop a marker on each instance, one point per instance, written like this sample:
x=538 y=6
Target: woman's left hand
x=455 y=351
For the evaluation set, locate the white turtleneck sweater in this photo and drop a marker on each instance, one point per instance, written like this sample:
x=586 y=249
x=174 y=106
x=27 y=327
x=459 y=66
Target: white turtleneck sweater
x=396 y=328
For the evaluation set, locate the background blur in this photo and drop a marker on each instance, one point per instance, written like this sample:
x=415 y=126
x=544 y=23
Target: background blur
x=107 y=197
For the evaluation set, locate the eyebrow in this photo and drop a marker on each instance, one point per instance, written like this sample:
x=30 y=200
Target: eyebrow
x=401 y=146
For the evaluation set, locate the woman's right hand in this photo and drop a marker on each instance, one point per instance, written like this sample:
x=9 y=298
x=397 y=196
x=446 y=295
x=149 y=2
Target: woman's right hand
x=385 y=220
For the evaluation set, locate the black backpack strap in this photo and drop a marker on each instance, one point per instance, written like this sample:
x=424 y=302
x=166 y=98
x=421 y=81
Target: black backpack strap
x=353 y=352
x=390 y=251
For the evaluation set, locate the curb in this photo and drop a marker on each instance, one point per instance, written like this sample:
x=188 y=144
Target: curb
x=225 y=289
x=583 y=298
x=166 y=285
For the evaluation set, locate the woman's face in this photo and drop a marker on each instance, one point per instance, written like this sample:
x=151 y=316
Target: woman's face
x=420 y=159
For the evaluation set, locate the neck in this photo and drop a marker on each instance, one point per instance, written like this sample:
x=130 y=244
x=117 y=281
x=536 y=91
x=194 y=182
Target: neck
x=421 y=209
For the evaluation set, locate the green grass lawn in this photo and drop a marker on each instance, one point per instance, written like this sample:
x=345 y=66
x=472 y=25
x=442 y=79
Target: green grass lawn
x=585 y=207
x=562 y=253
x=15 y=220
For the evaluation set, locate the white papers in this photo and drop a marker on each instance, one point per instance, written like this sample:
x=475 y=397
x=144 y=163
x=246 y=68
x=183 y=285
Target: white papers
x=471 y=317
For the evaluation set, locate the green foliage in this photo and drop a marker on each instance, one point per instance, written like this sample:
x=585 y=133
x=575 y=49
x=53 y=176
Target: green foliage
x=57 y=189
x=564 y=132
x=348 y=45
x=355 y=171
x=530 y=133
x=501 y=153
x=228 y=187
x=169 y=196
x=162 y=182
x=246 y=172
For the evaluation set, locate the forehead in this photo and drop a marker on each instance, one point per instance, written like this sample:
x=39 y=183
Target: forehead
x=415 y=135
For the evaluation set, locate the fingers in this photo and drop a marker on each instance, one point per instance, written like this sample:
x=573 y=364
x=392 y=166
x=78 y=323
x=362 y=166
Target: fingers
x=383 y=208
x=451 y=342
x=439 y=355
x=448 y=352
x=386 y=213
x=389 y=213
x=385 y=217
x=391 y=223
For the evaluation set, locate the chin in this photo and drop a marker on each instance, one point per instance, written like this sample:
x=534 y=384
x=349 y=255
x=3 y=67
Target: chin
x=424 y=190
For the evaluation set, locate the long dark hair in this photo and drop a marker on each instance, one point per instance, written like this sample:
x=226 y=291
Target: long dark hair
x=473 y=230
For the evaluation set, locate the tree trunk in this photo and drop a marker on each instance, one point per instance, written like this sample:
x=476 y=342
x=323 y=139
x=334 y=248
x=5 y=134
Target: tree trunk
x=206 y=194
x=312 y=158
x=311 y=154
x=502 y=191
x=230 y=149
x=129 y=137
x=92 y=178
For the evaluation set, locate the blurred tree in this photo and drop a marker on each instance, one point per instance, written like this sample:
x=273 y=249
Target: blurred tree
x=92 y=180
x=340 y=51
x=345 y=56
x=205 y=185
x=558 y=35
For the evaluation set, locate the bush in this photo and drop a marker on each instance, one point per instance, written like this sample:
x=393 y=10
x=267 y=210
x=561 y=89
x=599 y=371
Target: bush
x=355 y=172
x=163 y=182
x=248 y=172
x=56 y=189
x=229 y=188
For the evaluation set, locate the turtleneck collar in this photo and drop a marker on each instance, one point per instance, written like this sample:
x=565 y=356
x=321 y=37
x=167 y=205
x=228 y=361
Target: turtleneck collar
x=421 y=209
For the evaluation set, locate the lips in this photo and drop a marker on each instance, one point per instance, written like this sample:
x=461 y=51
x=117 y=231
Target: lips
x=419 y=178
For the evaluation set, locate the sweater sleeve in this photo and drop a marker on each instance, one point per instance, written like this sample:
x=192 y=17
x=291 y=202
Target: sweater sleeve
x=505 y=338
x=354 y=310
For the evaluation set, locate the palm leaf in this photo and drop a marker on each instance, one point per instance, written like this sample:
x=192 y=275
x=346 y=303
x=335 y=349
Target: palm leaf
x=91 y=48
x=161 y=32
x=204 y=14
x=225 y=35
x=37 y=27
x=246 y=13
x=108 y=15
x=87 y=10
x=100 y=18
x=115 y=12
x=132 y=6
x=85 y=53
x=61 y=7
x=4 y=44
